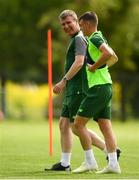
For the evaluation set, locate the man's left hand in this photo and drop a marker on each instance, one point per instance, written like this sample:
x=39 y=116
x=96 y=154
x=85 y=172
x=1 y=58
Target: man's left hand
x=59 y=87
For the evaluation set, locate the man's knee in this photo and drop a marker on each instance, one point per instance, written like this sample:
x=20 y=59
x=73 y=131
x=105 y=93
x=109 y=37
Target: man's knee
x=77 y=125
x=64 y=125
x=74 y=130
x=80 y=122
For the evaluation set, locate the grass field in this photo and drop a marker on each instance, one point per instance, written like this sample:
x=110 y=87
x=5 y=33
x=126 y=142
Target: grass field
x=24 y=151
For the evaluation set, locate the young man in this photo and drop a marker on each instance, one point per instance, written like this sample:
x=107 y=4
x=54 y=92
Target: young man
x=75 y=75
x=97 y=103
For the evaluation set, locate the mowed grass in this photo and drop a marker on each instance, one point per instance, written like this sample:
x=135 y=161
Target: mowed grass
x=24 y=151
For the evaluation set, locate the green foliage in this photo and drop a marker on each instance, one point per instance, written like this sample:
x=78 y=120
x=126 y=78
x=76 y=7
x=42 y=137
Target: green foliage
x=23 y=27
x=21 y=41
x=118 y=21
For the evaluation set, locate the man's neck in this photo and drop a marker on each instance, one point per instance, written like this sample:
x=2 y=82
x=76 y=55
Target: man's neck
x=75 y=33
x=93 y=30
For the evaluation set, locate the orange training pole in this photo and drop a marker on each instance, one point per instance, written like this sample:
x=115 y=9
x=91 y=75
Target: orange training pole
x=50 y=102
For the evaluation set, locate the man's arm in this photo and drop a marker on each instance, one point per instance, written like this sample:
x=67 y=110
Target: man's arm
x=76 y=66
x=105 y=58
x=80 y=52
x=113 y=59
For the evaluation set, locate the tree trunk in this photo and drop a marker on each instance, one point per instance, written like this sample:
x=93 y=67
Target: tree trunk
x=3 y=94
x=123 y=103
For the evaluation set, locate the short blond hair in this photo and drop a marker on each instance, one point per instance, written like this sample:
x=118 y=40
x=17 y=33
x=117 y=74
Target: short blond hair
x=67 y=13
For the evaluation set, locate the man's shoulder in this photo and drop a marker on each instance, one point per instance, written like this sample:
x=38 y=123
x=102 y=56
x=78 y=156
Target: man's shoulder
x=80 y=38
x=80 y=35
x=97 y=37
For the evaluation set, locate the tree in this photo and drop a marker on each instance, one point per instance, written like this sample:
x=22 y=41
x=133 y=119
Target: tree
x=22 y=42
x=23 y=27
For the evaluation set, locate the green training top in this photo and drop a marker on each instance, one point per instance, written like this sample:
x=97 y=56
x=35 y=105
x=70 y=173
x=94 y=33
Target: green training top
x=101 y=75
x=77 y=46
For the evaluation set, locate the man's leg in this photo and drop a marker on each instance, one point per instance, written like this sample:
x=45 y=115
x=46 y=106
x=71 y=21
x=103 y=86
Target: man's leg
x=66 y=141
x=86 y=142
x=110 y=140
x=95 y=139
x=106 y=129
x=66 y=146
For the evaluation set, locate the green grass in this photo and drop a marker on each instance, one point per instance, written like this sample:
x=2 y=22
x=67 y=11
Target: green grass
x=24 y=151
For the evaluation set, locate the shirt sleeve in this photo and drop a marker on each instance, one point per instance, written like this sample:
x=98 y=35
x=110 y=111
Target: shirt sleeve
x=97 y=41
x=80 y=46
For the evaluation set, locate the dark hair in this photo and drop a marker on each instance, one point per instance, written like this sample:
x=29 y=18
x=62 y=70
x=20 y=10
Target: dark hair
x=89 y=16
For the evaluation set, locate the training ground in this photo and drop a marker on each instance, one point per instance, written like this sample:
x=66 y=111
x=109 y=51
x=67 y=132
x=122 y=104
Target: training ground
x=24 y=151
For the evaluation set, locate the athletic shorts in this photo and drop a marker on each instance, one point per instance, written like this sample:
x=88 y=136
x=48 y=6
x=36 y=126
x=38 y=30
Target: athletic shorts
x=71 y=105
x=97 y=103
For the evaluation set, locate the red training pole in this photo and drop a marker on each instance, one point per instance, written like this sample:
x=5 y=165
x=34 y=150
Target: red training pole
x=50 y=102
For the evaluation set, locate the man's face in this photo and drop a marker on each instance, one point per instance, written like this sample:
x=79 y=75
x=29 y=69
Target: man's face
x=70 y=25
x=84 y=25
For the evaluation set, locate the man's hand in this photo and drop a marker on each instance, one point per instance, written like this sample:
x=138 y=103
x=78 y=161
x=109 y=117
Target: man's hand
x=59 y=87
x=91 y=68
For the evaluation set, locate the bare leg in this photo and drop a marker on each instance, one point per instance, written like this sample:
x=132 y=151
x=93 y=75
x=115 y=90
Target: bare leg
x=95 y=139
x=65 y=135
x=86 y=142
x=66 y=141
x=106 y=129
x=82 y=132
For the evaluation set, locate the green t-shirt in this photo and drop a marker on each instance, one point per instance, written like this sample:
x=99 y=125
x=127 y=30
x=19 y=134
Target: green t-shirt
x=101 y=75
x=77 y=46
